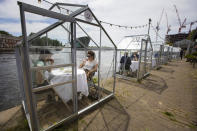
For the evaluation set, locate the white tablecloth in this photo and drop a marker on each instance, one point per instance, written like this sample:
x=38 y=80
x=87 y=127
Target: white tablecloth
x=134 y=65
x=65 y=91
x=154 y=62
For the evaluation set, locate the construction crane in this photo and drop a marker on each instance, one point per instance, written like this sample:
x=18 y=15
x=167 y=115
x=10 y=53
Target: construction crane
x=168 y=26
x=181 y=25
x=158 y=23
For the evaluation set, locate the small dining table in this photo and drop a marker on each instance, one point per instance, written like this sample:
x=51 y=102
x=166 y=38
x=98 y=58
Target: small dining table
x=65 y=74
x=134 y=66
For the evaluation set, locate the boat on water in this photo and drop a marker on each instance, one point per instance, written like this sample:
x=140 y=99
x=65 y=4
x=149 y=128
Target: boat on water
x=82 y=42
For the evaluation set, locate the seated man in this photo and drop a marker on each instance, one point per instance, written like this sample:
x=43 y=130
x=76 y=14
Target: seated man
x=125 y=62
x=44 y=60
x=42 y=77
x=156 y=54
x=89 y=65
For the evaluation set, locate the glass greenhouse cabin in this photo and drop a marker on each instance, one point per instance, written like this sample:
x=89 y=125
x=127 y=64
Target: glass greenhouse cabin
x=176 y=53
x=139 y=50
x=64 y=93
x=157 y=54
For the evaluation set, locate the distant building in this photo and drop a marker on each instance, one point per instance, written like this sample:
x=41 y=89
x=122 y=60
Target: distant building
x=176 y=37
x=7 y=41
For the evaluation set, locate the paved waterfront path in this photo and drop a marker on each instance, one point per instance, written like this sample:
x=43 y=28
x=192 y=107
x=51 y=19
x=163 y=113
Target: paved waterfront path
x=165 y=101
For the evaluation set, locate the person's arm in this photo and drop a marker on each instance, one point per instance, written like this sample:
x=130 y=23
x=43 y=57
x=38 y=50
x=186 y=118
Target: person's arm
x=93 y=70
x=82 y=64
x=49 y=61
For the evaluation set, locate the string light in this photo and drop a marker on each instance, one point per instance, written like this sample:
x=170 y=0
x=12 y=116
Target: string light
x=123 y=26
x=111 y=24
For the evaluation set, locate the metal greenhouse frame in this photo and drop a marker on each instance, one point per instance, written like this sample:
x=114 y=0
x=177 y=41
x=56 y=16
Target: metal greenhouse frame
x=170 y=53
x=144 y=47
x=157 y=54
x=165 y=54
x=25 y=70
x=175 y=53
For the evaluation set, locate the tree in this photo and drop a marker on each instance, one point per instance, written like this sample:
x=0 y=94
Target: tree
x=191 y=35
x=43 y=42
x=5 y=33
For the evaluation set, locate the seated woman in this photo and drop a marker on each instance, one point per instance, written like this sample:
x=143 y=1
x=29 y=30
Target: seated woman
x=89 y=65
x=135 y=56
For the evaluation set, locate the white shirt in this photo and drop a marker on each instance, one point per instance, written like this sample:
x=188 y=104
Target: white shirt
x=89 y=65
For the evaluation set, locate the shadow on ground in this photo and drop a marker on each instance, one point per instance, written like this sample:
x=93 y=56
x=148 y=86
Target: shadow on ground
x=166 y=70
x=154 y=83
x=108 y=117
x=172 y=64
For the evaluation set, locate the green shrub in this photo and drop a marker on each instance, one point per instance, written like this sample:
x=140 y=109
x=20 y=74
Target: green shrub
x=191 y=56
x=195 y=53
x=95 y=80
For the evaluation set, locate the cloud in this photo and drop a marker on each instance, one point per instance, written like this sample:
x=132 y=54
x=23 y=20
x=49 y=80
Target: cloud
x=137 y=12
x=11 y=27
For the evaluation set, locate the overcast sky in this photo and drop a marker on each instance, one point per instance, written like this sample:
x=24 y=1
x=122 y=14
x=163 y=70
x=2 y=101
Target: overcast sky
x=122 y=12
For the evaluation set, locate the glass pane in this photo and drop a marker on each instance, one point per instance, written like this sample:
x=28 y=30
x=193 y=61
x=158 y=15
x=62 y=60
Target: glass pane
x=87 y=78
x=52 y=49
x=87 y=35
x=107 y=64
x=35 y=23
x=123 y=64
x=88 y=43
x=53 y=104
x=162 y=54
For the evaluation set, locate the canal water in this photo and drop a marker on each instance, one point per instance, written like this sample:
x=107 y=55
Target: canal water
x=9 y=90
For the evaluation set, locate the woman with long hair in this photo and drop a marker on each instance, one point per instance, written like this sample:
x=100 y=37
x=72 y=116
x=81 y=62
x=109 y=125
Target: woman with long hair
x=89 y=65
